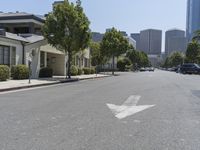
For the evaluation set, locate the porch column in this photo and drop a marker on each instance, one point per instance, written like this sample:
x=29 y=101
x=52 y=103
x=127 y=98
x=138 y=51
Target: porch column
x=45 y=59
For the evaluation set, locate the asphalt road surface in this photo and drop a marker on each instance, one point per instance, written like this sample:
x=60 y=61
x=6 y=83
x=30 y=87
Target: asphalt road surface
x=76 y=116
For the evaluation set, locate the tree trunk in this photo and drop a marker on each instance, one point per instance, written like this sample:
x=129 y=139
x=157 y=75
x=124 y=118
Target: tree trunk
x=69 y=65
x=113 y=65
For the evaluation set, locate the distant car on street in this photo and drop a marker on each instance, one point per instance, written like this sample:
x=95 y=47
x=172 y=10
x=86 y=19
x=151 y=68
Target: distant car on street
x=151 y=69
x=190 y=68
x=143 y=69
x=147 y=69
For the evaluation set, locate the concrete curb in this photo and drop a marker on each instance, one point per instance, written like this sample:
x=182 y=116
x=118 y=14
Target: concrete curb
x=47 y=84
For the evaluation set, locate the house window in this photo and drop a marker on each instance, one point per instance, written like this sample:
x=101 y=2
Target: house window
x=4 y=55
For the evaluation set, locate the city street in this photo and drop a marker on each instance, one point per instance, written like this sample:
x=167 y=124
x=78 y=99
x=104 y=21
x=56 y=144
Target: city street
x=133 y=111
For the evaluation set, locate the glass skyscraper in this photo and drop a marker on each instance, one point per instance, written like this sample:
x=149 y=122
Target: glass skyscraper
x=193 y=18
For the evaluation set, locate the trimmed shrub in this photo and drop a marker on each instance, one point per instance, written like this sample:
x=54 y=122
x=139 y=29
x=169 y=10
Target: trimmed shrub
x=46 y=72
x=74 y=70
x=80 y=71
x=122 y=63
x=86 y=70
x=20 y=72
x=4 y=72
x=92 y=71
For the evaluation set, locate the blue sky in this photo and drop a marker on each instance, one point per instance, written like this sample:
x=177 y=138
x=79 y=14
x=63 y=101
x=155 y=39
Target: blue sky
x=127 y=15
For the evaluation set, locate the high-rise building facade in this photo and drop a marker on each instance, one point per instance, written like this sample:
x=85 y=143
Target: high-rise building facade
x=175 y=40
x=151 y=41
x=136 y=37
x=193 y=18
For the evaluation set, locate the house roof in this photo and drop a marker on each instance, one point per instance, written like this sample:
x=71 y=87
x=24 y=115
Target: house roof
x=31 y=38
x=21 y=15
x=49 y=49
x=14 y=37
x=34 y=38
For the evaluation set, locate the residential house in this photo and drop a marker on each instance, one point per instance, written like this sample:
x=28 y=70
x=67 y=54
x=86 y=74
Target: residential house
x=21 y=41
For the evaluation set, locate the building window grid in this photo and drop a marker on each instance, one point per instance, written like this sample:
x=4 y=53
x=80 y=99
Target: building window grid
x=4 y=55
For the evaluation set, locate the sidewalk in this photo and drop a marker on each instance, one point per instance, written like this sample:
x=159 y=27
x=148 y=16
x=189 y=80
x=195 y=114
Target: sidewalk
x=21 y=84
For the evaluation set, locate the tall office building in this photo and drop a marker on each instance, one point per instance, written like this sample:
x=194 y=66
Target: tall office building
x=175 y=40
x=193 y=18
x=151 y=41
x=136 y=37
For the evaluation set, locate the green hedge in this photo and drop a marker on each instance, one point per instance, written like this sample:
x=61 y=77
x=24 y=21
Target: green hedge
x=74 y=70
x=80 y=71
x=86 y=70
x=20 y=72
x=46 y=72
x=92 y=71
x=4 y=72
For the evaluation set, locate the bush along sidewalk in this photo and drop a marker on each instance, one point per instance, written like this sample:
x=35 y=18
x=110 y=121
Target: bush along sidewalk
x=19 y=72
x=4 y=72
x=46 y=72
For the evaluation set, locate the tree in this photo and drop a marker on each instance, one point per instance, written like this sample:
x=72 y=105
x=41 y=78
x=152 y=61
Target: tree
x=143 y=59
x=113 y=45
x=167 y=63
x=193 y=52
x=196 y=35
x=138 y=59
x=67 y=29
x=176 y=59
x=123 y=63
x=96 y=57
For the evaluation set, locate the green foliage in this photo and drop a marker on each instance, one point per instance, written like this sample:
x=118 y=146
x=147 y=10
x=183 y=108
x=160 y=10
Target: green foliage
x=96 y=57
x=80 y=71
x=174 y=60
x=74 y=70
x=123 y=64
x=193 y=52
x=196 y=35
x=137 y=58
x=20 y=72
x=167 y=63
x=87 y=70
x=92 y=70
x=46 y=72
x=67 y=28
x=4 y=72
x=113 y=45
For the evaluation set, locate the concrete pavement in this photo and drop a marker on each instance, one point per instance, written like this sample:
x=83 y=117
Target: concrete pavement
x=22 y=84
x=76 y=117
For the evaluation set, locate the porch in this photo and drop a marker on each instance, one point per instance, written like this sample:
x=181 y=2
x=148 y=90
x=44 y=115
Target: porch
x=53 y=58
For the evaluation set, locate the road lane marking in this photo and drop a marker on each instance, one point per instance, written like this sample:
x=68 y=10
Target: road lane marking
x=128 y=108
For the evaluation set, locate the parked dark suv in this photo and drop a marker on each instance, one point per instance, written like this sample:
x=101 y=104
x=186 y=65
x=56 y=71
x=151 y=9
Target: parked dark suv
x=190 y=68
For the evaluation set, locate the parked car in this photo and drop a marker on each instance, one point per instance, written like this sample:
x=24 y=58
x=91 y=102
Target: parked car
x=151 y=69
x=190 y=68
x=143 y=69
x=175 y=69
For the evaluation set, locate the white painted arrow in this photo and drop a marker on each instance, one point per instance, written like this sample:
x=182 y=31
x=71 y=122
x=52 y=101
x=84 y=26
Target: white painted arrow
x=128 y=108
